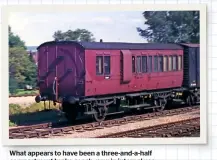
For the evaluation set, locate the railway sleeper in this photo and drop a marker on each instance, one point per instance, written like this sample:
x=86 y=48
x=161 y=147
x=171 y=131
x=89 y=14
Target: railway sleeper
x=18 y=135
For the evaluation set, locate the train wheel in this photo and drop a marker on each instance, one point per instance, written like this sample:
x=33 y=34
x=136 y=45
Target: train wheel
x=190 y=100
x=100 y=113
x=198 y=96
x=70 y=111
x=195 y=99
x=160 y=105
x=198 y=99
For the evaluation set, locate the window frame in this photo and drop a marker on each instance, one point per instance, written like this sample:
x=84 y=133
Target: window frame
x=109 y=65
x=156 y=65
x=103 y=64
x=180 y=63
x=133 y=64
x=160 y=66
x=166 y=63
x=140 y=65
x=99 y=66
x=144 y=59
x=150 y=65
x=170 y=65
x=176 y=57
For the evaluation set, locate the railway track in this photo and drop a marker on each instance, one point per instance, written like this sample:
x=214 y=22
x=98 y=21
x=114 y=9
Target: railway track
x=173 y=129
x=48 y=129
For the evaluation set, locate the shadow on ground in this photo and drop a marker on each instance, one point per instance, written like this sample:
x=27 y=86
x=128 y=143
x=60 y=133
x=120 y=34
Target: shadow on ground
x=52 y=116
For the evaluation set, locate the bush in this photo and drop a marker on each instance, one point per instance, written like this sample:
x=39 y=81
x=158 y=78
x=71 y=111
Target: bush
x=11 y=124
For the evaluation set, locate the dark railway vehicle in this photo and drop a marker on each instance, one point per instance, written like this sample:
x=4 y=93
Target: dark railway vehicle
x=102 y=78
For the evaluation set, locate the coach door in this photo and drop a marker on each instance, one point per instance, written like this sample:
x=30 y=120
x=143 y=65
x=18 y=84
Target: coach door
x=142 y=71
x=139 y=71
x=126 y=66
x=155 y=65
x=149 y=71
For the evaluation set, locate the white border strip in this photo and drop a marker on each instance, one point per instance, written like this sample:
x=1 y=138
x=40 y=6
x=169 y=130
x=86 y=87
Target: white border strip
x=6 y=10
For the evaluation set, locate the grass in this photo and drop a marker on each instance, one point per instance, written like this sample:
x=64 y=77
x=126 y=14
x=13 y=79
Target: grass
x=32 y=114
x=11 y=124
x=35 y=107
x=22 y=92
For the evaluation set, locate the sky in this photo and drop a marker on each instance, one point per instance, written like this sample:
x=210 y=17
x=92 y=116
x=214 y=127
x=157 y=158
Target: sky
x=36 y=29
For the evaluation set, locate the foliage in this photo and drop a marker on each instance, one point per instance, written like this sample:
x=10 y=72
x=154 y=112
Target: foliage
x=22 y=70
x=20 y=67
x=14 y=40
x=76 y=35
x=14 y=109
x=11 y=124
x=171 y=26
x=13 y=85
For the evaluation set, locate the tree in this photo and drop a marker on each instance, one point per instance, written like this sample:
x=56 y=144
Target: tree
x=15 y=40
x=171 y=26
x=76 y=35
x=22 y=70
x=20 y=67
x=12 y=84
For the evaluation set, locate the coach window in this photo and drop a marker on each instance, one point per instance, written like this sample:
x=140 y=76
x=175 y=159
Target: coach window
x=155 y=63
x=133 y=64
x=174 y=63
x=165 y=64
x=160 y=59
x=144 y=64
x=138 y=64
x=107 y=65
x=179 y=62
x=170 y=63
x=99 y=65
x=149 y=63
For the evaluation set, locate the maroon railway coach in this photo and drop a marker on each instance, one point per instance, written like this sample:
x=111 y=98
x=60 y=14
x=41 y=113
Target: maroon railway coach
x=93 y=78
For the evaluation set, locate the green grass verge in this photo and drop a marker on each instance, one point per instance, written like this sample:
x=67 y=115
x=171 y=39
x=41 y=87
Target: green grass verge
x=22 y=92
x=32 y=114
x=35 y=107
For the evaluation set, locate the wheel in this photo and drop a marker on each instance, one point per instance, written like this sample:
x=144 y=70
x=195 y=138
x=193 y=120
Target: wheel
x=100 y=113
x=160 y=105
x=70 y=111
x=190 y=100
x=196 y=97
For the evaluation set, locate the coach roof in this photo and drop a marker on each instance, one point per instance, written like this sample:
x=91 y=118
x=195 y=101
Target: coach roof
x=119 y=45
x=193 y=45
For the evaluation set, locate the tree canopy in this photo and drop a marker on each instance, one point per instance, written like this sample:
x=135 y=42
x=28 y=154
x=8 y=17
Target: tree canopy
x=22 y=70
x=15 y=40
x=171 y=26
x=76 y=35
